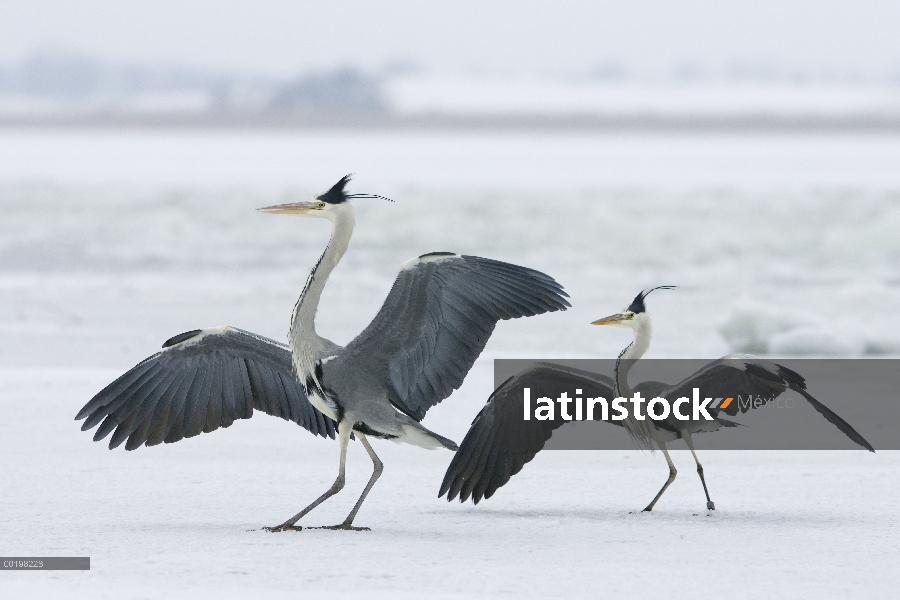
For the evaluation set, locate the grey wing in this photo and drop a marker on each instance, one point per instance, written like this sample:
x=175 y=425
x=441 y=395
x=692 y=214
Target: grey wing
x=200 y=381
x=500 y=441
x=436 y=320
x=749 y=376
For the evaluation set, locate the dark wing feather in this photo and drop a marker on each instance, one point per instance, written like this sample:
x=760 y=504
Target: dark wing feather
x=748 y=376
x=202 y=380
x=500 y=441
x=437 y=319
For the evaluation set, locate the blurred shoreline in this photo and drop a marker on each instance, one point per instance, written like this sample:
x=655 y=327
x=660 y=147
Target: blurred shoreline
x=889 y=124
x=59 y=90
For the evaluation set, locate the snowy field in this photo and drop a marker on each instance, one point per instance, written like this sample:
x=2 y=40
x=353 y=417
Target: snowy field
x=111 y=242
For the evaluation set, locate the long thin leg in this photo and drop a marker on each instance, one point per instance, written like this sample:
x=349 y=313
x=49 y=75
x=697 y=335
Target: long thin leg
x=672 y=473
x=378 y=468
x=709 y=503
x=344 y=438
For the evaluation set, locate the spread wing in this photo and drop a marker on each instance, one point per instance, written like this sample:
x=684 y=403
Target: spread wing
x=436 y=320
x=200 y=381
x=500 y=441
x=745 y=376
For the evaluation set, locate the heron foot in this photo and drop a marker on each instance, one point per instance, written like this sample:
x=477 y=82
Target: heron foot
x=648 y=509
x=342 y=527
x=283 y=527
x=711 y=505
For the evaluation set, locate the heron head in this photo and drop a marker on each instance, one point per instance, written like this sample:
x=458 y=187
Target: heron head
x=634 y=314
x=323 y=205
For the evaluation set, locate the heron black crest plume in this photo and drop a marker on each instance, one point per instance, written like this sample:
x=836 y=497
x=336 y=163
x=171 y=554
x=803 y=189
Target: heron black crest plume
x=637 y=305
x=337 y=195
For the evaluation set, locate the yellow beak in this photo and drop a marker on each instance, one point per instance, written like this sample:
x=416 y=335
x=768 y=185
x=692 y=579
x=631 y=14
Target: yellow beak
x=294 y=208
x=610 y=320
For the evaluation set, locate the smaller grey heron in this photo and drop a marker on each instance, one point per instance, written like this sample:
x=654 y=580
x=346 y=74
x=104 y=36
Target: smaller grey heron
x=435 y=321
x=500 y=441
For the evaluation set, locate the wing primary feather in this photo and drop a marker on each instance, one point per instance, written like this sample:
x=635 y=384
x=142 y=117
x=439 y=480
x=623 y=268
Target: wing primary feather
x=147 y=390
x=144 y=426
x=120 y=433
x=494 y=457
x=195 y=407
x=181 y=411
x=216 y=398
x=466 y=467
x=835 y=420
x=143 y=409
x=231 y=379
x=101 y=410
x=126 y=407
x=257 y=385
x=246 y=407
x=161 y=420
x=118 y=386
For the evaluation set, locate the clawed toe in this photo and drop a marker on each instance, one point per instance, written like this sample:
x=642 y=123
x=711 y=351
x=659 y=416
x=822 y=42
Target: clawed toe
x=343 y=527
x=281 y=528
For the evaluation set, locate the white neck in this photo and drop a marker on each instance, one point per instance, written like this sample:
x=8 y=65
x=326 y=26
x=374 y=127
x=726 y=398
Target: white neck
x=305 y=344
x=643 y=331
x=640 y=431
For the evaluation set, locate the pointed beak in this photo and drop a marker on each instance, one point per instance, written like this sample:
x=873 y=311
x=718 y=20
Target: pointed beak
x=294 y=208
x=610 y=320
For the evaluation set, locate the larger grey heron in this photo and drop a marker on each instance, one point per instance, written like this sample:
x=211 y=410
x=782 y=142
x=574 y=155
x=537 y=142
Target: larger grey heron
x=434 y=323
x=500 y=441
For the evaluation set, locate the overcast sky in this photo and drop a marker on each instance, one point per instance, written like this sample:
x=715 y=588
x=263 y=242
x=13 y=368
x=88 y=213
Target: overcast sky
x=283 y=37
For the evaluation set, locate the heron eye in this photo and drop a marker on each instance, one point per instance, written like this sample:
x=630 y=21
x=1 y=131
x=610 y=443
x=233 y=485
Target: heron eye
x=320 y=205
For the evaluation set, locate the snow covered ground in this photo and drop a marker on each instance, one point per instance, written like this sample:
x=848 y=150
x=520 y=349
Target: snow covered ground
x=112 y=242
x=176 y=521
